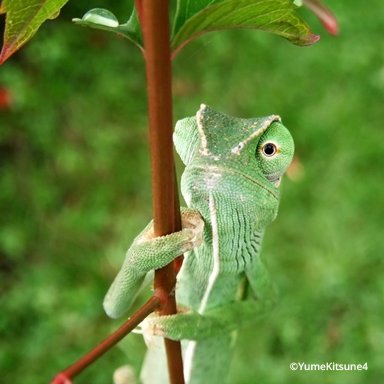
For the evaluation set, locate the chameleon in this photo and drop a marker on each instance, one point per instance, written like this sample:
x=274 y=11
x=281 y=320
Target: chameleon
x=231 y=184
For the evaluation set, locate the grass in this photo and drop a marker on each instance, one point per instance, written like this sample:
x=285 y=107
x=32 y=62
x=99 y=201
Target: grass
x=75 y=190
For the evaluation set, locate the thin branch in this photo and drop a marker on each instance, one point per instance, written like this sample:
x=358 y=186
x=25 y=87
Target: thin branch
x=154 y=20
x=72 y=371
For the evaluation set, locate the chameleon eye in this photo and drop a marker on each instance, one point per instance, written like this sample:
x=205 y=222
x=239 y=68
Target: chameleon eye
x=269 y=149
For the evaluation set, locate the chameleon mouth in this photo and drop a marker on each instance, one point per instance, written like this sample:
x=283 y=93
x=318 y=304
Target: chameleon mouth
x=274 y=179
x=271 y=191
x=277 y=182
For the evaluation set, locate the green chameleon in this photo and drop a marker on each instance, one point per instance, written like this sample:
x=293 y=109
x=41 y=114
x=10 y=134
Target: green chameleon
x=231 y=185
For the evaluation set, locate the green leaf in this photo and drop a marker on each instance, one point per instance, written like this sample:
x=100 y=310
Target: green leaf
x=188 y=8
x=23 y=19
x=105 y=20
x=275 y=16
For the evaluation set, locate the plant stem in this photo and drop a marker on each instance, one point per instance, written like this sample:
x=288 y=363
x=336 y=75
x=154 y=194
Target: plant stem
x=68 y=374
x=154 y=20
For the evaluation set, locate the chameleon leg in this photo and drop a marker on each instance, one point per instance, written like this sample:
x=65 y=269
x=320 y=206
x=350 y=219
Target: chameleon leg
x=147 y=253
x=221 y=319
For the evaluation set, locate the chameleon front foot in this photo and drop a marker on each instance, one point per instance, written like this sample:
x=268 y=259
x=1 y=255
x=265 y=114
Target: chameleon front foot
x=147 y=253
x=174 y=244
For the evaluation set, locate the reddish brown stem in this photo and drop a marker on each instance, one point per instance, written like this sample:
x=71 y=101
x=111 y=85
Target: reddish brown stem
x=154 y=20
x=68 y=374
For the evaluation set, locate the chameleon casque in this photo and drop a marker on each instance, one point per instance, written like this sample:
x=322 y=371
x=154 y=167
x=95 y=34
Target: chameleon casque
x=233 y=169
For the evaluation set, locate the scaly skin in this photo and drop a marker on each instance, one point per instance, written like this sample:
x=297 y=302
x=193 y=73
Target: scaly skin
x=231 y=185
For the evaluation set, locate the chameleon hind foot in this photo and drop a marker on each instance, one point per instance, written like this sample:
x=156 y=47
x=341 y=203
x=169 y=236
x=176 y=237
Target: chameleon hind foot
x=124 y=375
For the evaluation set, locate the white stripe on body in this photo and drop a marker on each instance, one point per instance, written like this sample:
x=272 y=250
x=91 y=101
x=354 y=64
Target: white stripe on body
x=203 y=138
x=188 y=358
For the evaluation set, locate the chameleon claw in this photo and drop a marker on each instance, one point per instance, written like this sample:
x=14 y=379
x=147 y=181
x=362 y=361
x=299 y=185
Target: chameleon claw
x=193 y=224
x=150 y=329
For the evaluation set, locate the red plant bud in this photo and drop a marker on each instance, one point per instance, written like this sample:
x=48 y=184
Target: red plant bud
x=5 y=98
x=324 y=14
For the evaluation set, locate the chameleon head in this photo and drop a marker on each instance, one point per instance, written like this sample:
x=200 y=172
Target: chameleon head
x=235 y=159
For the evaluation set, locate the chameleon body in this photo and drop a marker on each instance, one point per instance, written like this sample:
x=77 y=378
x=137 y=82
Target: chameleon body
x=231 y=186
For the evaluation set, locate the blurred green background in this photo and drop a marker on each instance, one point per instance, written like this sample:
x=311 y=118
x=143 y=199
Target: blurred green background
x=75 y=189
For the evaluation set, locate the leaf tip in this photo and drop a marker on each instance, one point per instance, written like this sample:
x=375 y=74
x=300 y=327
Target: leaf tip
x=5 y=53
x=313 y=38
x=306 y=40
